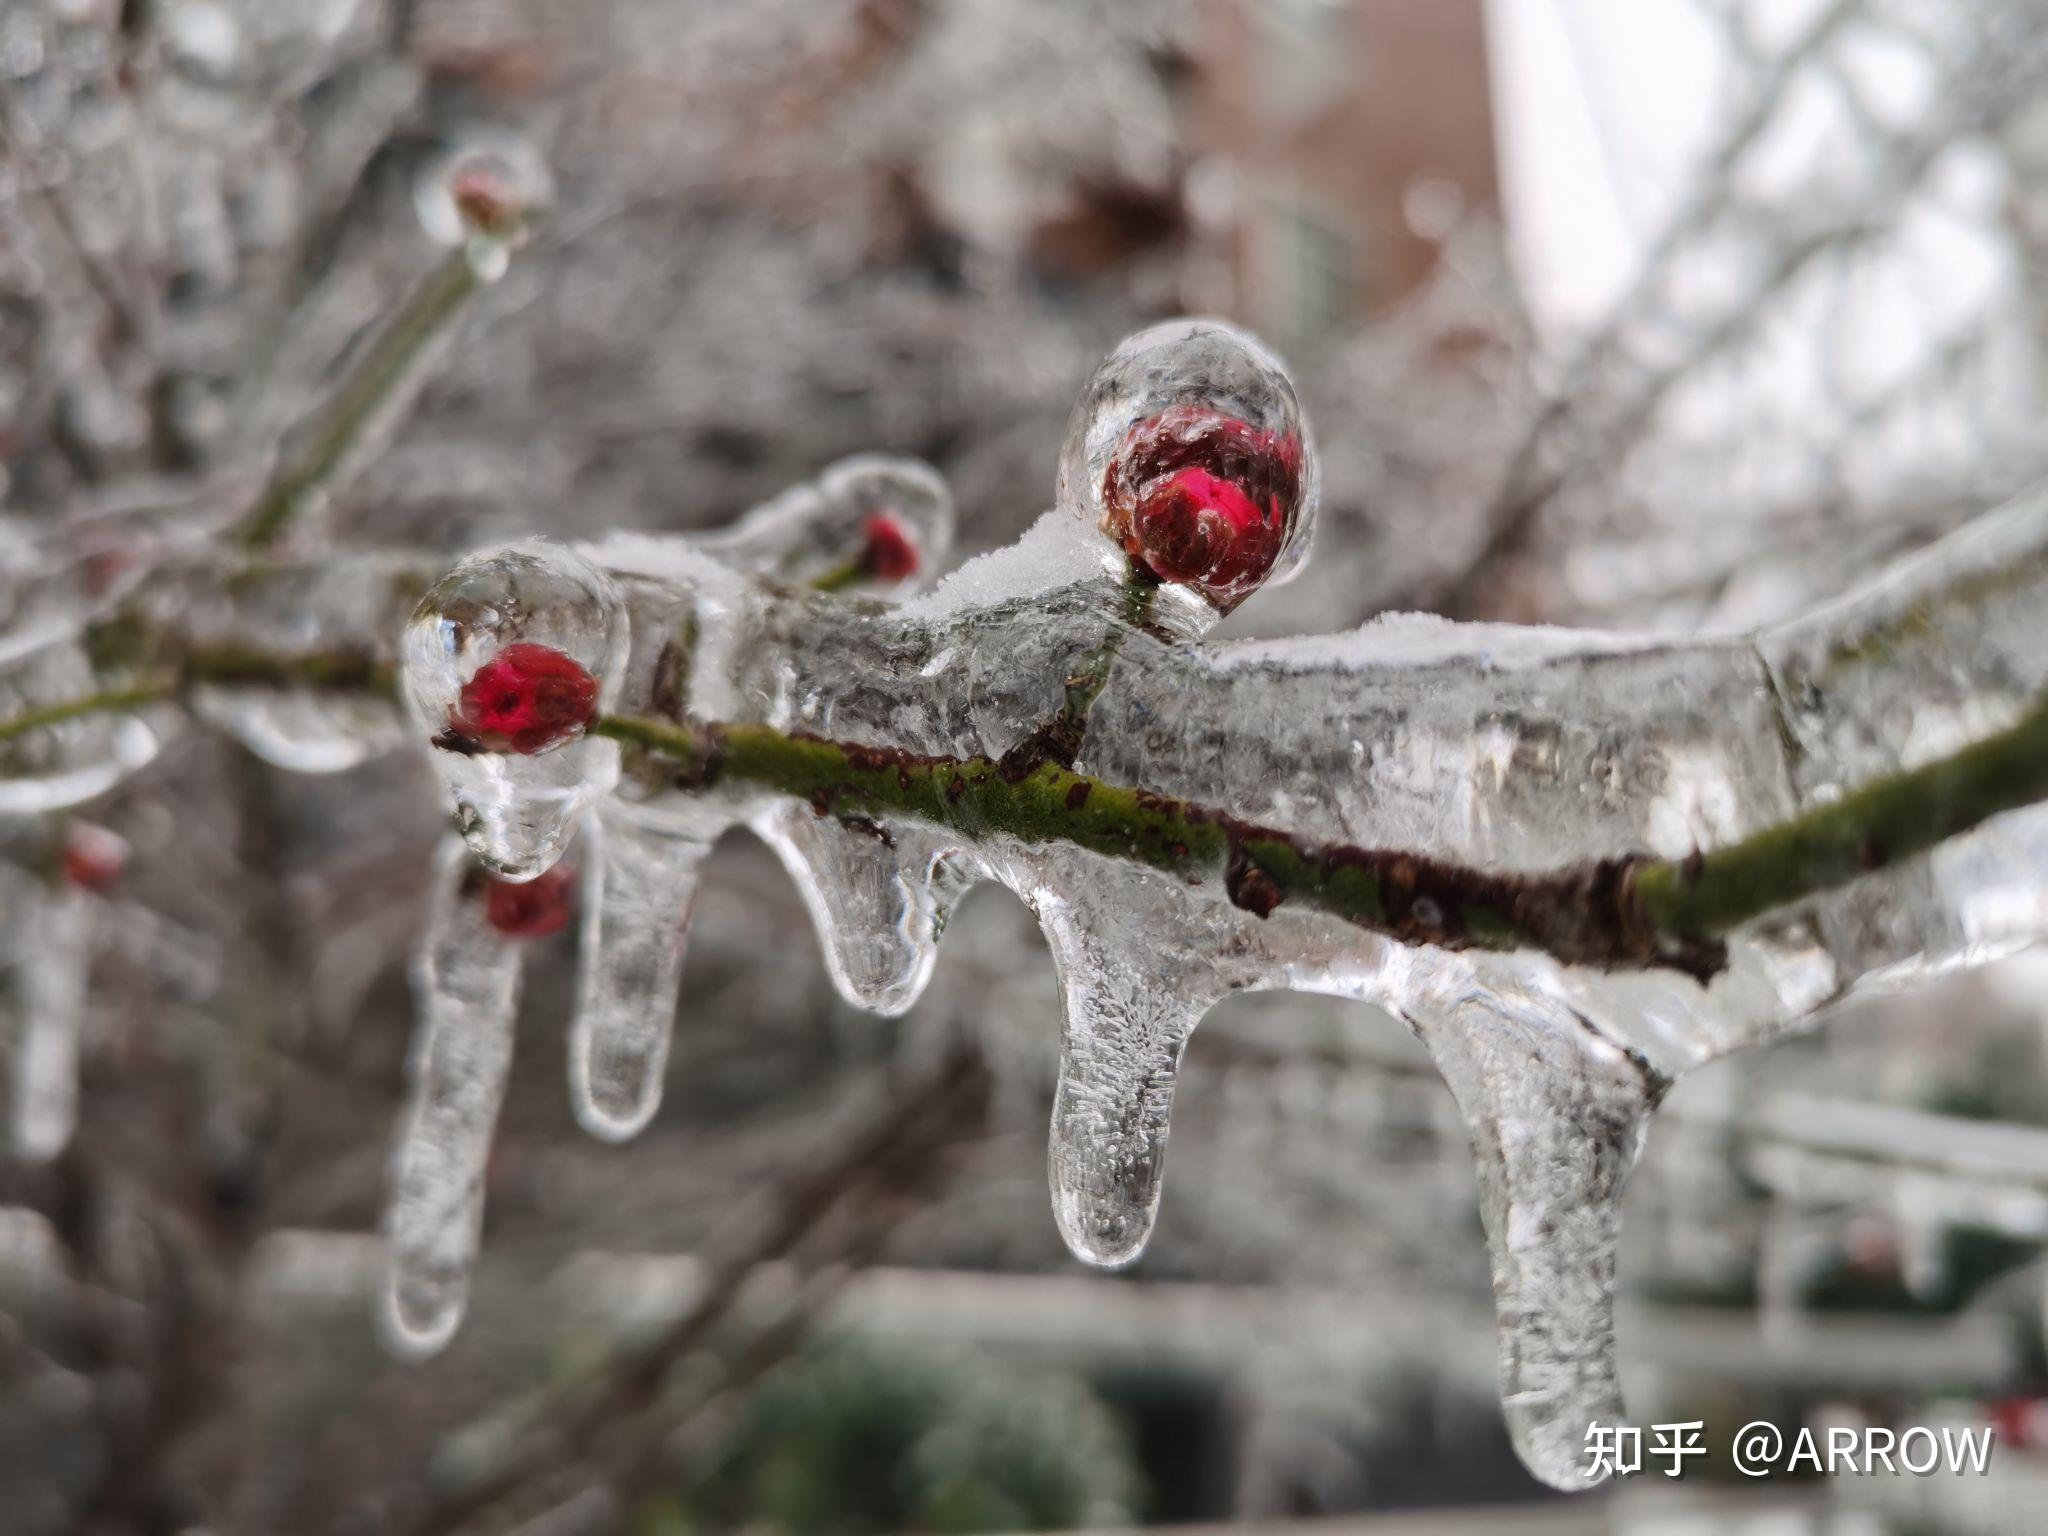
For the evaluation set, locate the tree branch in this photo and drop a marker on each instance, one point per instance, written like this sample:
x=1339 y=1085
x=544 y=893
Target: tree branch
x=375 y=380
x=1633 y=911
x=332 y=671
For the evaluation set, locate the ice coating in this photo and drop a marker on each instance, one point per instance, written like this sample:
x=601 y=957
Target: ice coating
x=71 y=757
x=481 y=195
x=507 y=642
x=876 y=521
x=512 y=638
x=920 y=735
x=341 y=609
x=49 y=938
x=467 y=982
x=172 y=599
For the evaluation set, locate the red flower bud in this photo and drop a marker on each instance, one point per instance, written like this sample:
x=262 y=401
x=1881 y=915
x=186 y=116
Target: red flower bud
x=525 y=699
x=888 y=551
x=1204 y=500
x=531 y=909
x=93 y=857
x=486 y=195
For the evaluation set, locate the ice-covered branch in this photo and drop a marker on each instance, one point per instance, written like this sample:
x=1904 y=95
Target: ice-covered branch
x=481 y=202
x=1623 y=912
x=1492 y=832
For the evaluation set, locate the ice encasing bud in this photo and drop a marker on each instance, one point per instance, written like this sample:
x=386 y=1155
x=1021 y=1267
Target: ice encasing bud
x=507 y=662
x=875 y=523
x=900 y=511
x=1189 y=449
x=483 y=194
x=93 y=857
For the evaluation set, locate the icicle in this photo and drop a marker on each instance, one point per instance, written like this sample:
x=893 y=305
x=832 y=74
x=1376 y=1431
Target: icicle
x=1129 y=1003
x=642 y=883
x=879 y=898
x=468 y=988
x=53 y=952
x=1556 y=1114
x=507 y=662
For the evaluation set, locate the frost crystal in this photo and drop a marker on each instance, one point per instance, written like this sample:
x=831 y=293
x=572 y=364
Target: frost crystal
x=1450 y=821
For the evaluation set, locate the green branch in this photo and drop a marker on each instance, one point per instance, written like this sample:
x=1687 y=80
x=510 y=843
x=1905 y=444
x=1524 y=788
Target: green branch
x=1871 y=828
x=112 y=701
x=1627 y=912
x=375 y=379
x=332 y=671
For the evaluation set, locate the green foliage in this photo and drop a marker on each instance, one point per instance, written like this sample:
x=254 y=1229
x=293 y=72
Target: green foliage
x=850 y=1439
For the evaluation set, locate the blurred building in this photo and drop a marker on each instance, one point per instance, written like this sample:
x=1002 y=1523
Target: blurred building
x=1343 y=138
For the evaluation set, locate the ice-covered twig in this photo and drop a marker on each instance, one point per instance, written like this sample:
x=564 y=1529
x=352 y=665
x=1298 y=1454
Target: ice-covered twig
x=481 y=200
x=228 y=635
x=1633 y=911
x=1577 y=864
x=373 y=387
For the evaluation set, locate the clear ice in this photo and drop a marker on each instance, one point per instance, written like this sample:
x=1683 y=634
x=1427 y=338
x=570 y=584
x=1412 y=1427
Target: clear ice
x=639 y=856
x=467 y=982
x=1502 y=749
x=47 y=931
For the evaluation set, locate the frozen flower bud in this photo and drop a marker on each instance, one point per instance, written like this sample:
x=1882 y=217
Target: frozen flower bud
x=525 y=699
x=874 y=522
x=1188 y=448
x=507 y=663
x=888 y=551
x=93 y=857
x=484 y=195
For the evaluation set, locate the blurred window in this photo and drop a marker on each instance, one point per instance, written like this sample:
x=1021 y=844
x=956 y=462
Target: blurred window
x=1308 y=271
x=1304 y=55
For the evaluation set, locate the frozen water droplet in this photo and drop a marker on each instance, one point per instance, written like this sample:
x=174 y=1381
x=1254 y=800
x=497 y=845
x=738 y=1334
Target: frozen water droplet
x=878 y=896
x=1188 y=449
x=507 y=663
x=468 y=989
x=483 y=194
x=51 y=938
x=1556 y=1114
x=1127 y=1012
x=643 y=883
